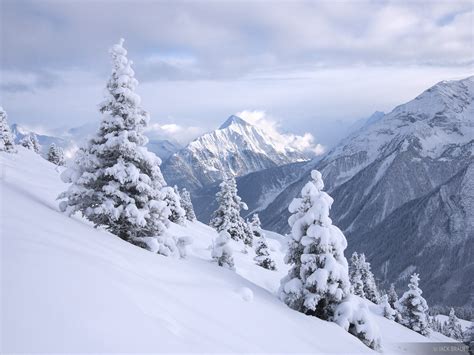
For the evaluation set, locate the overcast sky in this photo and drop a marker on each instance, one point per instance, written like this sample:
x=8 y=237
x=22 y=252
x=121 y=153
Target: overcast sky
x=310 y=66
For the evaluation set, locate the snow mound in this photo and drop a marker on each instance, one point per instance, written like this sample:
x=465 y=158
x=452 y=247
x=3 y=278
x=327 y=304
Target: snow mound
x=246 y=294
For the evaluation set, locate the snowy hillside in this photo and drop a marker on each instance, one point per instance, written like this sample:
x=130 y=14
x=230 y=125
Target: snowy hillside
x=403 y=192
x=67 y=287
x=236 y=148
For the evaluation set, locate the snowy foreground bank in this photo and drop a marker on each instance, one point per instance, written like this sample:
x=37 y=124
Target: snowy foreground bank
x=67 y=287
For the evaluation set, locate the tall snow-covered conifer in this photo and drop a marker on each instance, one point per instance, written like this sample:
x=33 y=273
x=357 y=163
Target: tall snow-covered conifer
x=318 y=278
x=452 y=327
x=255 y=226
x=30 y=141
x=187 y=204
x=370 y=287
x=362 y=279
x=116 y=181
x=7 y=143
x=469 y=337
x=435 y=324
x=227 y=216
x=56 y=155
x=172 y=198
x=387 y=310
x=413 y=308
x=262 y=251
x=392 y=296
x=355 y=276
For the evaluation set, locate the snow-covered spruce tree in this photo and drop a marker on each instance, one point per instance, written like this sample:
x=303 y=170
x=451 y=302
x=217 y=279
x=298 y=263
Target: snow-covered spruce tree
x=116 y=181
x=362 y=279
x=392 y=296
x=355 y=276
x=368 y=280
x=452 y=327
x=187 y=205
x=56 y=155
x=262 y=252
x=177 y=213
x=30 y=141
x=392 y=301
x=435 y=324
x=413 y=308
x=222 y=252
x=438 y=326
x=7 y=143
x=387 y=310
x=256 y=226
x=469 y=337
x=318 y=278
x=227 y=216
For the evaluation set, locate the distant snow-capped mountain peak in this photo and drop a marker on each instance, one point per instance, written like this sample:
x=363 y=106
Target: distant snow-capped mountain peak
x=237 y=147
x=437 y=118
x=234 y=120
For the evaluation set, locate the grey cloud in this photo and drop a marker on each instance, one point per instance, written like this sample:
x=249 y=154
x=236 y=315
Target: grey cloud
x=28 y=80
x=234 y=38
x=309 y=63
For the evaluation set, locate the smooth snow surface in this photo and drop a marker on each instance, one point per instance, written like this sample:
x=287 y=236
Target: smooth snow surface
x=67 y=287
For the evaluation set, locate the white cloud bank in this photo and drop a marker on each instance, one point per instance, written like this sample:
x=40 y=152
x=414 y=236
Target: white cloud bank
x=272 y=127
x=173 y=132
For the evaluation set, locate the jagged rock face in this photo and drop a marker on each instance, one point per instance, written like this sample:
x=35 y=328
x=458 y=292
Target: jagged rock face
x=236 y=148
x=434 y=235
x=403 y=192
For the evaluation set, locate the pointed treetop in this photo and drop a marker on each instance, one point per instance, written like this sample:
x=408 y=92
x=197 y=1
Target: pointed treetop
x=414 y=280
x=118 y=47
x=256 y=220
x=317 y=179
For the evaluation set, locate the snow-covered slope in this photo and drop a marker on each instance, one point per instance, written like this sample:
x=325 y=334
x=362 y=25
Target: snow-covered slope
x=403 y=192
x=236 y=148
x=67 y=287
